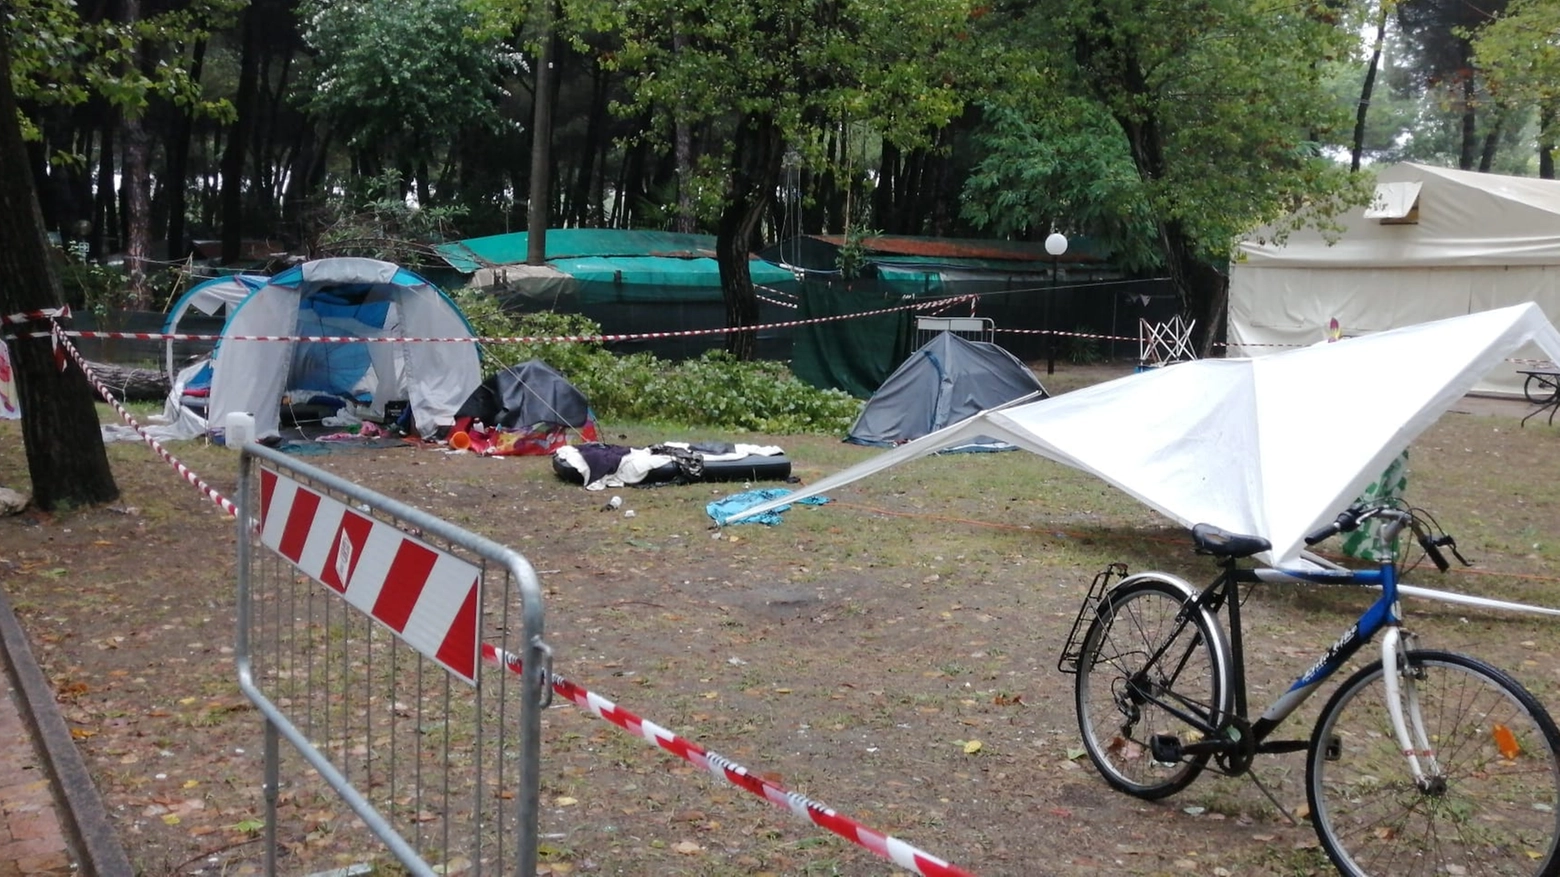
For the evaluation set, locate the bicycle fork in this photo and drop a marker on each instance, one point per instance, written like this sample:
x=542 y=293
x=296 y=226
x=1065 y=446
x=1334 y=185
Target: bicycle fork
x=1408 y=724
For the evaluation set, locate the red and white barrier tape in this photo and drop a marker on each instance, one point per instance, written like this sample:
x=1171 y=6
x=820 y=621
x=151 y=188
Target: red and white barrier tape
x=522 y=339
x=35 y=316
x=188 y=474
x=774 y=301
x=891 y=848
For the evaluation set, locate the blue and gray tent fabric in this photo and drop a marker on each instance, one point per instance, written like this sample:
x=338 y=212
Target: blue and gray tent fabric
x=948 y=379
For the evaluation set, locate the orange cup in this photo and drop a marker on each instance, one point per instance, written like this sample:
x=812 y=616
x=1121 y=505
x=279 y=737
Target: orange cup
x=460 y=441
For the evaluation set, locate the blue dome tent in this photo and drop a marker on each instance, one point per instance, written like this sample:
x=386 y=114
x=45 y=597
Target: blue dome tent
x=344 y=297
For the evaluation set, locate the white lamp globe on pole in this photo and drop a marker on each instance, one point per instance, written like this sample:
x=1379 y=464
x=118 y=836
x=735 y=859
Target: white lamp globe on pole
x=1056 y=245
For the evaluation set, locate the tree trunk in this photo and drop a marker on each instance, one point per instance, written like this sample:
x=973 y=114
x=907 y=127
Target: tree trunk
x=66 y=459
x=683 y=148
x=1199 y=286
x=137 y=180
x=885 y=198
x=1470 y=124
x=1547 y=135
x=104 y=235
x=244 y=105
x=179 y=163
x=538 y=208
x=132 y=384
x=1491 y=145
x=755 y=172
x=1366 y=89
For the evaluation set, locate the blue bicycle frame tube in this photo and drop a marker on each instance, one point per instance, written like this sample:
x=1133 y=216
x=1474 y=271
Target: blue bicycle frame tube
x=1380 y=614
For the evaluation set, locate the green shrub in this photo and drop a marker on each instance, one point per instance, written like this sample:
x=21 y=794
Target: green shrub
x=715 y=390
x=1084 y=351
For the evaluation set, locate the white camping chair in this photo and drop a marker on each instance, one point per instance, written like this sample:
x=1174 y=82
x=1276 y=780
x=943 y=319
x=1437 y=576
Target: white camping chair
x=1163 y=343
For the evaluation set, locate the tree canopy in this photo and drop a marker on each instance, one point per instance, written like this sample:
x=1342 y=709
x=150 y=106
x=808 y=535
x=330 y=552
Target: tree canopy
x=1164 y=132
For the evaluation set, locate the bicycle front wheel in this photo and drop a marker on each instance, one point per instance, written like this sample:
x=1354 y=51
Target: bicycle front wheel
x=1144 y=660
x=1490 y=800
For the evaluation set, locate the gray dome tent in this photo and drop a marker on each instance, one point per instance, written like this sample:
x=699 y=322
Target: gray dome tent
x=948 y=379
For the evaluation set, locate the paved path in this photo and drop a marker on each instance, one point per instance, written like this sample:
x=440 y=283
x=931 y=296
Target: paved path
x=32 y=837
x=52 y=821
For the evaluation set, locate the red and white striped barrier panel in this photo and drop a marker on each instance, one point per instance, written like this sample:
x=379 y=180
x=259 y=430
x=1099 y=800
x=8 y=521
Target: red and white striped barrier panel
x=427 y=597
x=897 y=851
x=63 y=343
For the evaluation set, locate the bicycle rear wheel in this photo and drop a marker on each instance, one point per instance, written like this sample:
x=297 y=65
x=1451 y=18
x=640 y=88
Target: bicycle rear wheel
x=1122 y=689
x=1493 y=802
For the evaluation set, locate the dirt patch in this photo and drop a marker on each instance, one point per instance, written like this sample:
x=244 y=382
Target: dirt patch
x=853 y=653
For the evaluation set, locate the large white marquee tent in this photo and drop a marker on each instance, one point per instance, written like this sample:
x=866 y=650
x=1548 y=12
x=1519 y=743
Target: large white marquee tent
x=1436 y=243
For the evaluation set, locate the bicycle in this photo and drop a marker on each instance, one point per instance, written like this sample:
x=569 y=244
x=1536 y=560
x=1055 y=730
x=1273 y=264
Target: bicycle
x=1422 y=761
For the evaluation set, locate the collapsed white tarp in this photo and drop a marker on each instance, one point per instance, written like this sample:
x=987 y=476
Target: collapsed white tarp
x=1234 y=442
x=1435 y=243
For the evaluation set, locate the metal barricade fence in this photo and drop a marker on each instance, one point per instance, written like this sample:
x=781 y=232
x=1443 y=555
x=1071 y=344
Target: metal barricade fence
x=361 y=623
x=970 y=328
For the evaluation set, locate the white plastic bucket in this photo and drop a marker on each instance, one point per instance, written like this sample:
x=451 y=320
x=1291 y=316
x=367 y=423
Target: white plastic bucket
x=240 y=429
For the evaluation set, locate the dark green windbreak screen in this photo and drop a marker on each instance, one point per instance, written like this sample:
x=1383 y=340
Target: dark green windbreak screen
x=854 y=355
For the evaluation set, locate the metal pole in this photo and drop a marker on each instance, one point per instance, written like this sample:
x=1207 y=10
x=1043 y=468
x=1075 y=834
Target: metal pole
x=1050 y=337
x=1115 y=306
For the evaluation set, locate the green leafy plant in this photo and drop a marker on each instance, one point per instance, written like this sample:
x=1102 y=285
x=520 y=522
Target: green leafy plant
x=714 y=390
x=372 y=218
x=1082 y=350
x=90 y=285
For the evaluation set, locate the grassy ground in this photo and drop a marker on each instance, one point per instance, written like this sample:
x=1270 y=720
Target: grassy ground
x=892 y=654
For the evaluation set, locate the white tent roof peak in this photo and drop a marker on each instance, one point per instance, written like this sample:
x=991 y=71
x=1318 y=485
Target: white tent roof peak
x=1230 y=441
x=1465 y=219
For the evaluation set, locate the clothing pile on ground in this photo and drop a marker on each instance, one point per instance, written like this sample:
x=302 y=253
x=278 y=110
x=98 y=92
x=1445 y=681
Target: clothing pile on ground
x=599 y=466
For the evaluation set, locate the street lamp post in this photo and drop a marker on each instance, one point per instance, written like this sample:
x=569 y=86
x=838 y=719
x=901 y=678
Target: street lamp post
x=1056 y=245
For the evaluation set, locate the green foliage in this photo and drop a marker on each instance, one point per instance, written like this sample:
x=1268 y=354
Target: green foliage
x=94 y=287
x=853 y=253
x=489 y=320
x=1519 y=54
x=372 y=218
x=1084 y=351
x=65 y=60
x=715 y=390
x=718 y=390
x=893 y=66
x=402 y=76
x=1059 y=163
x=1136 y=118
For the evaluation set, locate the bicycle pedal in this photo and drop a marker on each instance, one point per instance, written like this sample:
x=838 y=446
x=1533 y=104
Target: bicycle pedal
x=1166 y=748
x=1332 y=749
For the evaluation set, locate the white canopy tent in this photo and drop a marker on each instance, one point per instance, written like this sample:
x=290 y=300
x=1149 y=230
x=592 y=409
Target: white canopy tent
x=1224 y=441
x=1435 y=243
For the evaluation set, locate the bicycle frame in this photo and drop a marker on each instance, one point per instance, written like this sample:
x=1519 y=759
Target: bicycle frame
x=1382 y=617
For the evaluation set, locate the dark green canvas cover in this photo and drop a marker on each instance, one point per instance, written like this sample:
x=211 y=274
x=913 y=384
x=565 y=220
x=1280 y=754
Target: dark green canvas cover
x=853 y=355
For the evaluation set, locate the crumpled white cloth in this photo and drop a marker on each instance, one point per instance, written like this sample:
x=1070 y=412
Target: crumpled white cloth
x=635 y=466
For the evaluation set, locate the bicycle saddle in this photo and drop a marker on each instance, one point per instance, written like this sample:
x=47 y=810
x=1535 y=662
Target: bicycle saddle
x=1222 y=543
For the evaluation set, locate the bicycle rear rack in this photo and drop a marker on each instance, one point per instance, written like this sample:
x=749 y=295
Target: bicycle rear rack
x=1072 y=652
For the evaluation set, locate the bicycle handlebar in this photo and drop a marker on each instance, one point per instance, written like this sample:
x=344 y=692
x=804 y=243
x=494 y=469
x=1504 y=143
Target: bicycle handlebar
x=1432 y=549
x=1347 y=521
x=1350 y=518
